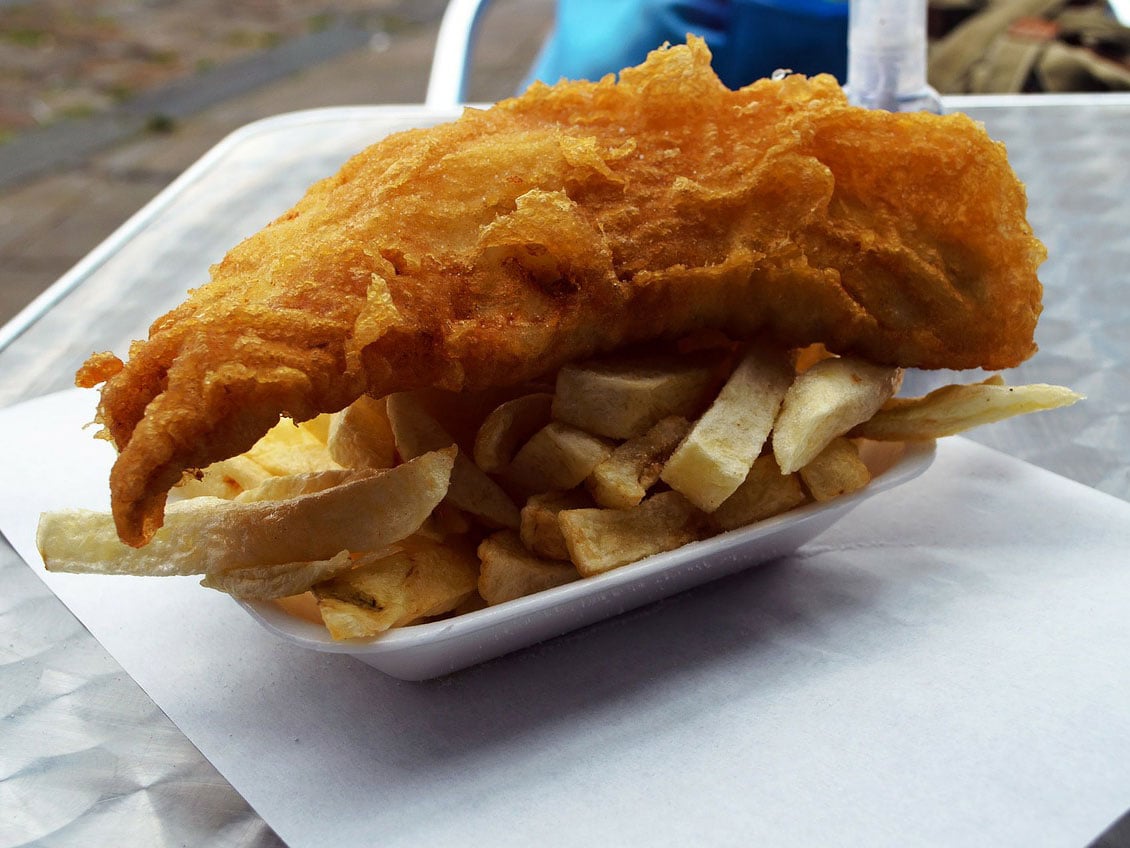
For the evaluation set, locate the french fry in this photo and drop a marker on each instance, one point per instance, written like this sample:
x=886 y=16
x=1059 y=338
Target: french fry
x=765 y=492
x=318 y=427
x=296 y=485
x=320 y=518
x=360 y=435
x=445 y=521
x=717 y=454
x=507 y=427
x=837 y=470
x=224 y=479
x=417 y=431
x=209 y=535
x=462 y=414
x=422 y=580
x=955 y=409
x=283 y=580
x=623 y=479
x=540 y=532
x=622 y=397
x=558 y=456
x=288 y=448
x=599 y=540
x=414 y=429
x=826 y=401
x=304 y=606
x=508 y=570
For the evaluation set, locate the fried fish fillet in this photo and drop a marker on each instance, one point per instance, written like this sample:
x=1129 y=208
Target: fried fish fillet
x=576 y=219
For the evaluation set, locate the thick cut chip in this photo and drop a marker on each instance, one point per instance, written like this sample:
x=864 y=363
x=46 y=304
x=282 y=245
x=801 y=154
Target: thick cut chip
x=304 y=606
x=507 y=427
x=422 y=580
x=224 y=479
x=462 y=413
x=602 y=539
x=540 y=531
x=623 y=480
x=716 y=455
x=446 y=520
x=209 y=535
x=288 y=448
x=296 y=485
x=765 y=492
x=954 y=409
x=417 y=432
x=318 y=427
x=270 y=582
x=508 y=570
x=557 y=457
x=826 y=401
x=624 y=396
x=837 y=470
x=360 y=435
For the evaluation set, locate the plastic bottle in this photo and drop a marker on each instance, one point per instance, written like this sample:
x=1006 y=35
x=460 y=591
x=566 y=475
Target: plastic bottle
x=887 y=56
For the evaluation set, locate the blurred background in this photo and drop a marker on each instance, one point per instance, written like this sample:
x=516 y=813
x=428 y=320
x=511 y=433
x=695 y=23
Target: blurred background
x=104 y=102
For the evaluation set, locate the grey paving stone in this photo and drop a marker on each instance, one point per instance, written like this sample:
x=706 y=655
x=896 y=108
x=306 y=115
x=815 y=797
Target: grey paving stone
x=48 y=223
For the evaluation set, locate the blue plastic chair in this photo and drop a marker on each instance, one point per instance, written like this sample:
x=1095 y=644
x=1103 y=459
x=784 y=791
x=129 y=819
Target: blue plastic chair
x=591 y=38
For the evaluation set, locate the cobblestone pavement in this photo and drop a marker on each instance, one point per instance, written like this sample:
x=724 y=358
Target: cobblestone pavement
x=49 y=222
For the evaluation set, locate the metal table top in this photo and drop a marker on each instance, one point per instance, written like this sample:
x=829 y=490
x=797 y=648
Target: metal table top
x=87 y=758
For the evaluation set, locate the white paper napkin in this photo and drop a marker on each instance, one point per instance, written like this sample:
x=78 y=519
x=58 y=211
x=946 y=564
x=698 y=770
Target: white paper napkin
x=947 y=666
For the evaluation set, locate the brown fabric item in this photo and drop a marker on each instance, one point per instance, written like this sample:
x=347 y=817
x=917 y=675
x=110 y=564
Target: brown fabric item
x=1062 y=67
x=1004 y=46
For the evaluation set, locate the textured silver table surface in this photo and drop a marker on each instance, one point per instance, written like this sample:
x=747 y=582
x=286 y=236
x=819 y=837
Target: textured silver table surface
x=85 y=756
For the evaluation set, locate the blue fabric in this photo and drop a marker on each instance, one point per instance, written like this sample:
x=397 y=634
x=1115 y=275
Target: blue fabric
x=749 y=38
